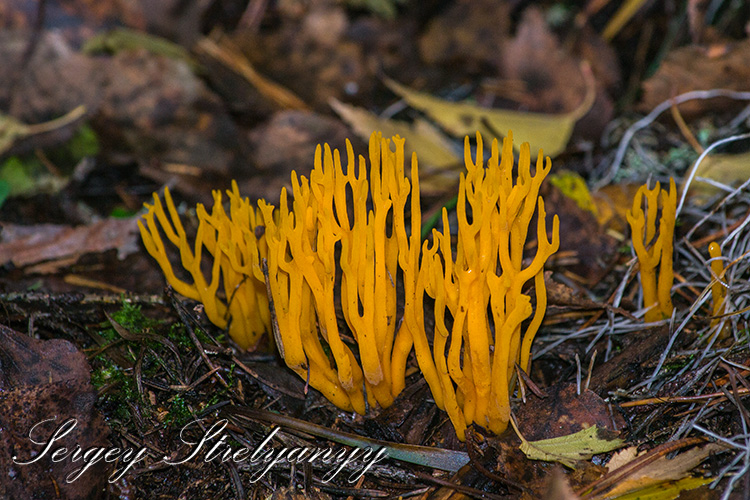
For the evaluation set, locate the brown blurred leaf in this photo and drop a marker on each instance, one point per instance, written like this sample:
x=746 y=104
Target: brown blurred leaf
x=467 y=35
x=25 y=245
x=287 y=142
x=585 y=245
x=549 y=72
x=699 y=68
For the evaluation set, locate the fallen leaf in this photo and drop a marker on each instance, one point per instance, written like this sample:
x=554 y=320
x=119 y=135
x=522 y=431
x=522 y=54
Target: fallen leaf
x=633 y=359
x=569 y=450
x=549 y=133
x=585 y=245
x=666 y=490
x=574 y=187
x=287 y=142
x=622 y=457
x=25 y=245
x=543 y=74
x=43 y=380
x=565 y=412
x=431 y=146
x=466 y=36
x=728 y=169
x=436 y=156
x=694 y=67
x=662 y=473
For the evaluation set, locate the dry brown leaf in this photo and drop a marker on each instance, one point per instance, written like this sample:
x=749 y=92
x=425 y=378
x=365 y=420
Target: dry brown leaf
x=698 y=68
x=585 y=246
x=25 y=245
x=622 y=457
x=565 y=412
x=466 y=36
x=43 y=384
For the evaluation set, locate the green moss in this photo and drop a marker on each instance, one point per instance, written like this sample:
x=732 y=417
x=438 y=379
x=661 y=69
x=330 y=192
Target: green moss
x=123 y=392
x=179 y=412
x=677 y=364
x=179 y=336
x=132 y=318
x=119 y=394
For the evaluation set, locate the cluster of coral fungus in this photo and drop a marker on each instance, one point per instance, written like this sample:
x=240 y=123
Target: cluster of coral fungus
x=352 y=237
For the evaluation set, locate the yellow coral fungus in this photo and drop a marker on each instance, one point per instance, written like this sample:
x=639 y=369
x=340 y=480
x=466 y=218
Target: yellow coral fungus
x=656 y=294
x=480 y=288
x=346 y=239
x=330 y=217
x=236 y=252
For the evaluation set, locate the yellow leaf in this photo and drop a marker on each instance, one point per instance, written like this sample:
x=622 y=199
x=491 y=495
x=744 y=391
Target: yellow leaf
x=574 y=187
x=665 y=490
x=547 y=132
x=436 y=156
x=664 y=474
x=727 y=169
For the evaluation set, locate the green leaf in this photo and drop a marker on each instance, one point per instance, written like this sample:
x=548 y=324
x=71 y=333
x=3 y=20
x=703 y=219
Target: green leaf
x=4 y=191
x=570 y=449
x=84 y=143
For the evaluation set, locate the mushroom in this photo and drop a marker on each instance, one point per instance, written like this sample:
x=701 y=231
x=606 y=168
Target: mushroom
x=235 y=251
x=481 y=288
x=330 y=217
x=656 y=296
